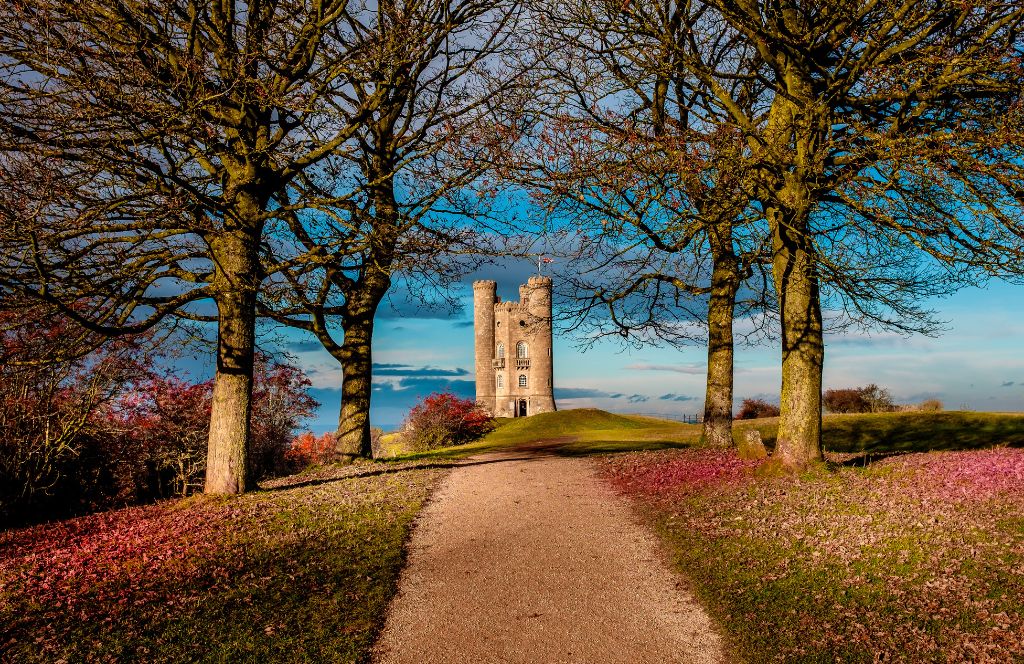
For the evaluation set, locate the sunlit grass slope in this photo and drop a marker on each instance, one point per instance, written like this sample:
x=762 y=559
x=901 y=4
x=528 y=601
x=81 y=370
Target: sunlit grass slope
x=588 y=430
x=581 y=431
x=908 y=432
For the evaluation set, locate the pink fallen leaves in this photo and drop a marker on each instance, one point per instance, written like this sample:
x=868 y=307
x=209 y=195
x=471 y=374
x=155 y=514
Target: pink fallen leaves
x=112 y=559
x=917 y=557
x=653 y=474
x=979 y=475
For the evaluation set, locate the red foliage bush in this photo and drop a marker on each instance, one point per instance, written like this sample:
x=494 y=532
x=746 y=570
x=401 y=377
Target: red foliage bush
x=443 y=419
x=53 y=382
x=309 y=449
x=93 y=427
x=752 y=409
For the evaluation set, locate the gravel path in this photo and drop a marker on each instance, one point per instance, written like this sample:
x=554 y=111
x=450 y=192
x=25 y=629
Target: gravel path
x=530 y=558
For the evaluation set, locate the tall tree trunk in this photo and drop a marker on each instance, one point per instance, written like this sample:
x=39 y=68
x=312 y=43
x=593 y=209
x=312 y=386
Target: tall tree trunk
x=235 y=282
x=725 y=281
x=361 y=302
x=803 y=348
x=353 y=438
x=798 y=125
x=356 y=357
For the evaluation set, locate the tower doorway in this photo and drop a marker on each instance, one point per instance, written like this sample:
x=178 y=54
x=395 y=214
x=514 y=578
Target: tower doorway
x=521 y=408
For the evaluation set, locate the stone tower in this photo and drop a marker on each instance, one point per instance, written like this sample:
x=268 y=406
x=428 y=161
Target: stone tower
x=514 y=369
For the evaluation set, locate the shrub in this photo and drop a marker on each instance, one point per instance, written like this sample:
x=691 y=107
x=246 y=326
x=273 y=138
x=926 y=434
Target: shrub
x=930 y=405
x=310 y=450
x=90 y=427
x=752 y=409
x=847 y=400
x=443 y=419
x=280 y=404
x=870 y=399
x=52 y=385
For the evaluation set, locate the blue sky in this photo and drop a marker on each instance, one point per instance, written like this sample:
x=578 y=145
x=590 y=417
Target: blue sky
x=976 y=364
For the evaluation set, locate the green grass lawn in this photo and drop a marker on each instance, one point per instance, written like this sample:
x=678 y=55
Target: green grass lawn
x=913 y=553
x=887 y=433
x=301 y=571
x=578 y=431
x=591 y=431
x=915 y=558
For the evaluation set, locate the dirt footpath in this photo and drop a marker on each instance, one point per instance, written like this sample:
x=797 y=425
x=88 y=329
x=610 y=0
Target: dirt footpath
x=531 y=558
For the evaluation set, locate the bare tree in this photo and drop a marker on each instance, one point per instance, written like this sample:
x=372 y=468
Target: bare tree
x=880 y=145
x=189 y=134
x=866 y=103
x=439 y=72
x=632 y=151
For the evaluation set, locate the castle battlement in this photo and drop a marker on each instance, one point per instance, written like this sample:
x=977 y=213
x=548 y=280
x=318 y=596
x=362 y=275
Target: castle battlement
x=514 y=364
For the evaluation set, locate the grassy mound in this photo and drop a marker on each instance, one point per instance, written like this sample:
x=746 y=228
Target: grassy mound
x=579 y=431
x=593 y=431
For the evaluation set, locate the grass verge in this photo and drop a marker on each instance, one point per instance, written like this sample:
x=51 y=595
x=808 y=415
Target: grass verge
x=916 y=558
x=893 y=433
x=301 y=571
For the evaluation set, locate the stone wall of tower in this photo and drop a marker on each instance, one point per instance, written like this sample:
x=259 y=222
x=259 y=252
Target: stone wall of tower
x=525 y=322
x=484 y=299
x=540 y=334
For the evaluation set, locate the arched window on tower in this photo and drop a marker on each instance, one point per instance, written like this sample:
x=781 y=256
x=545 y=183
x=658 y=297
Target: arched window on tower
x=501 y=381
x=521 y=350
x=501 y=351
x=522 y=380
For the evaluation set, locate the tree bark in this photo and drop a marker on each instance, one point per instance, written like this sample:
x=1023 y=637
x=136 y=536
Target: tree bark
x=236 y=281
x=798 y=125
x=803 y=349
x=725 y=281
x=353 y=437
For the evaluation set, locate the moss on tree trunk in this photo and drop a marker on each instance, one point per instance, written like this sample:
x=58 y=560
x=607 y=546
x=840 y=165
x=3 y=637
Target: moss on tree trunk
x=235 y=282
x=798 y=125
x=719 y=390
x=353 y=437
x=803 y=350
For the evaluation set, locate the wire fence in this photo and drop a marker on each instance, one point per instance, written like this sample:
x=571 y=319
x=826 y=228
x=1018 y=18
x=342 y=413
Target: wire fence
x=678 y=417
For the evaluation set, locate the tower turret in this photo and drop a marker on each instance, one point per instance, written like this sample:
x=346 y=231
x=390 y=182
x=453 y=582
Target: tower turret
x=540 y=332
x=484 y=299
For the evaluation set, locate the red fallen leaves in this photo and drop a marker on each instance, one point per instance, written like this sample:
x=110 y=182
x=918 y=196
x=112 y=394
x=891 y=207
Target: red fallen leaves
x=111 y=558
x=917 y=557
x=654 y=474
x=122 y=585
x=972 y=476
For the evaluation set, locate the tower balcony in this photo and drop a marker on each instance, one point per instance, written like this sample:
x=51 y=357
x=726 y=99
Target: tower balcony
x=498 y=363
x=522 y=363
